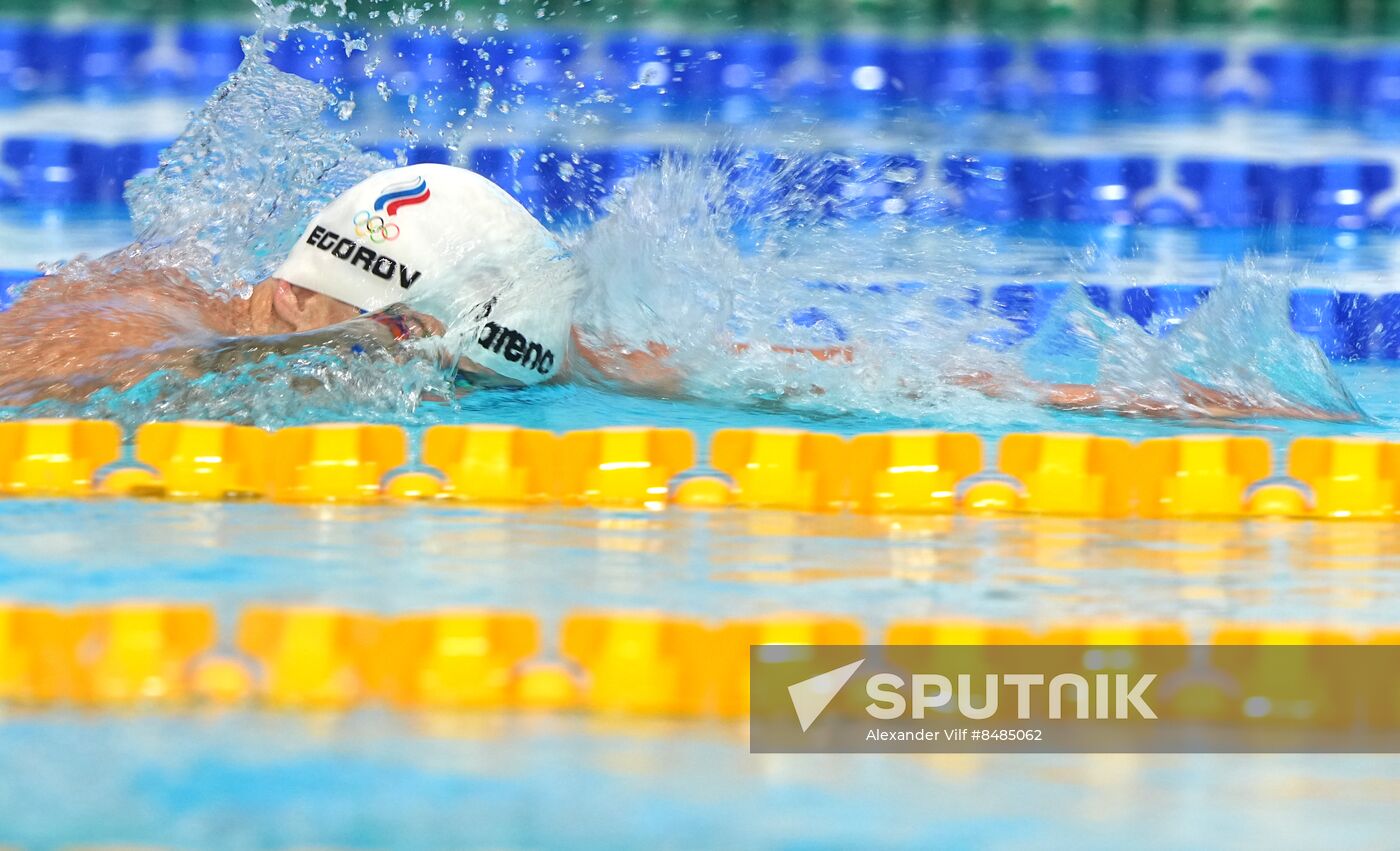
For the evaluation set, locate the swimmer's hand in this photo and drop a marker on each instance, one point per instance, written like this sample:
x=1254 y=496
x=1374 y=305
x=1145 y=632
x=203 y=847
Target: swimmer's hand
x=643 y=368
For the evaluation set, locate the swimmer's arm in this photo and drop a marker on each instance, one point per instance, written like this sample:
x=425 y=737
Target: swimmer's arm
x=1218 y=403
x=1201 y=401
x=382 y=331
x=647 y=367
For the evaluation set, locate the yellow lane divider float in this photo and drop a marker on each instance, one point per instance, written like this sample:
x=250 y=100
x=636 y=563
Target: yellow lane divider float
x=911 y=472
x=629 y=663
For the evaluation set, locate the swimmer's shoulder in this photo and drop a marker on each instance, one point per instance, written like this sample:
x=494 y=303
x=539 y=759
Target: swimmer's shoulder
x=142 y=307
x=91 y=285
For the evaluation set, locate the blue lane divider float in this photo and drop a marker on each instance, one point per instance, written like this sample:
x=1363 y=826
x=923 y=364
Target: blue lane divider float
x=1218 y=193
x=560 y=182
x=991 y=187
x=214 y=51
x=1161 y=308
x=1342 y=194
x=1385 y=325
x=1100 y=190
x=679 y=77
x=1343 y=324
x=1348 y=327
x=739 y=78
x=114 y=62
x=54 y=172
x=996 y=188
x=1164 y=82
x=751 y=75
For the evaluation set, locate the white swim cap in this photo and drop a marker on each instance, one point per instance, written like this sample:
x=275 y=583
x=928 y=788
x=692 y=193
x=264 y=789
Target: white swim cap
x=455 y=245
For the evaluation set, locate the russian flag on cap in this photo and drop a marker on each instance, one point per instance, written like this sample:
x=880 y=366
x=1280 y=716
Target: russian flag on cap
x=403 y=195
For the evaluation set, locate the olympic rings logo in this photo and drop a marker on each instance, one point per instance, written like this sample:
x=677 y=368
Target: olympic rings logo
x=368 y=225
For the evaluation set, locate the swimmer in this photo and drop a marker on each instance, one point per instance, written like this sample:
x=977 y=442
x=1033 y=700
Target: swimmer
x=446 y=240
x=426 y=261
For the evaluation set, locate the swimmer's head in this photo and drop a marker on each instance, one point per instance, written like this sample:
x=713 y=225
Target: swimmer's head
x=451 y=244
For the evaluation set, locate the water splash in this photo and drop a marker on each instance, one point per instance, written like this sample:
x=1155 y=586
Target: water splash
x=274 y=392
x=251 y=169
x=1241 y=340
x=686 y=258
x=729 y=278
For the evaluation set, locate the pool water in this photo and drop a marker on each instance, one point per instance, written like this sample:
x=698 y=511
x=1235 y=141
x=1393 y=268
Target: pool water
x=373 y=778
x=373 y=781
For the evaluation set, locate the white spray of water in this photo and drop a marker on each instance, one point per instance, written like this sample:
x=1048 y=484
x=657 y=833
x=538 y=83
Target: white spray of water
x=683 y=259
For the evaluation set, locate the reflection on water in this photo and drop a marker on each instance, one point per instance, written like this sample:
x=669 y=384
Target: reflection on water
x=1036 y=571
